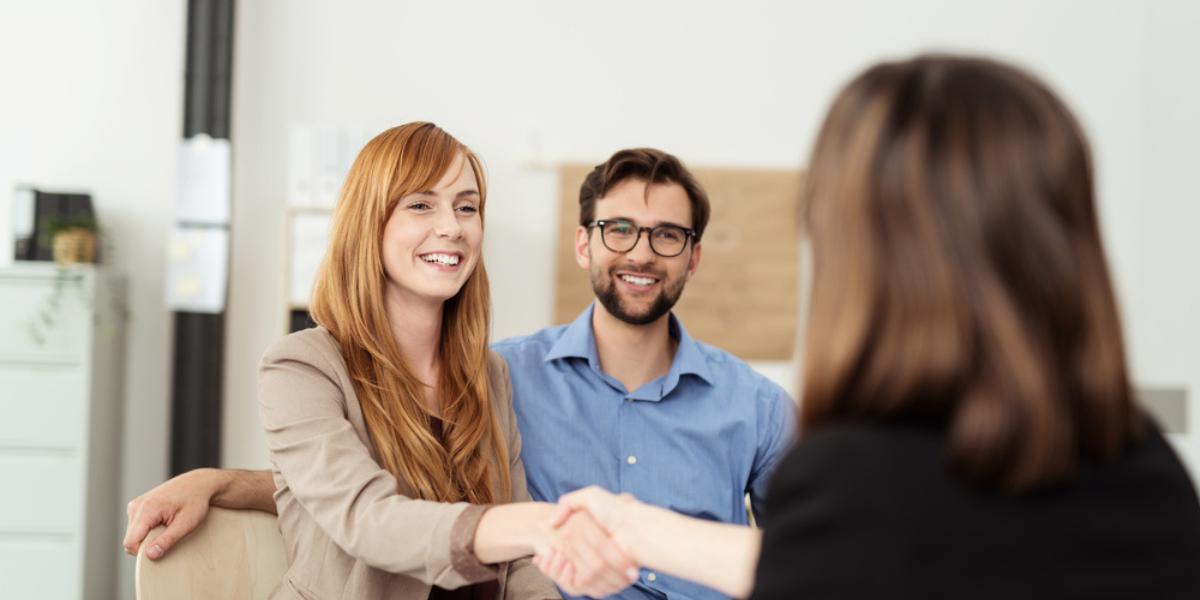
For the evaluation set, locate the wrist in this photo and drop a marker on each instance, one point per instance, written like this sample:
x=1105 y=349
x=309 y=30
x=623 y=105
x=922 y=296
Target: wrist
x=631 y=531
x=214 y=484
x=536 y=533
x=510 y=531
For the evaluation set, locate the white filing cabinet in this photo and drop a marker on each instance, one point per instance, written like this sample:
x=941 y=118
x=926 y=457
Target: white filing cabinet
x=60 y=419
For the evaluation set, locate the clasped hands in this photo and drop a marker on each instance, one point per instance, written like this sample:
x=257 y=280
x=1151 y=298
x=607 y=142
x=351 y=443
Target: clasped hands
x=590 y=549
x=589 y=545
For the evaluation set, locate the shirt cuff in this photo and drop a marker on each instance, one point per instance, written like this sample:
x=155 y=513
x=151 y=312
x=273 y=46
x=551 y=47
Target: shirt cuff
x=462 y=546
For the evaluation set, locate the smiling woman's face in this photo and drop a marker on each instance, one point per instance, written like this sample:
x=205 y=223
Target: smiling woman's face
x=432 y=240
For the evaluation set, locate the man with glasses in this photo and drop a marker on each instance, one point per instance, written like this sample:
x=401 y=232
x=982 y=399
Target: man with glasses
x=622 y=397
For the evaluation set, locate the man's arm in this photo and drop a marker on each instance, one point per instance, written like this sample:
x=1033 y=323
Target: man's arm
x=181 y=503
x=776 y=434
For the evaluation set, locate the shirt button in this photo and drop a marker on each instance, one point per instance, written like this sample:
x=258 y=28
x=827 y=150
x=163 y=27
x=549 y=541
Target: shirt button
x=651 y=577
x=631 y=460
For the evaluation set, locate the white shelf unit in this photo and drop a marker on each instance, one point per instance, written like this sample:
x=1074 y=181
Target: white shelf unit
x=60 y=419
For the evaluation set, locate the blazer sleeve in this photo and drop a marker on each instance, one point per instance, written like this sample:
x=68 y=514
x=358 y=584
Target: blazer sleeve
x=524 y=580
x=335 y=479
x=822 y=537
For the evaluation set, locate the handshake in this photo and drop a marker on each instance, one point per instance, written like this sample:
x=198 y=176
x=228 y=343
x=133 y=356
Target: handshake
x=592 y=543
x=590 y=546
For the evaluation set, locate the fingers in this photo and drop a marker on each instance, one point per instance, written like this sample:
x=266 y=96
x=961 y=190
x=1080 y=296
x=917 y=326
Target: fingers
x=148 y=516
x=178 y=528
x=586 y=559
x=608 y=509
x=582 y=497
x=561 y=513
x=588 y=499
x=141 y=521
x=556 y=568
x=600 y=567
x=135 y=532
x=553 y=564
x=564 y=573
x=567 y=573
x=132 y=508
x=180 y=503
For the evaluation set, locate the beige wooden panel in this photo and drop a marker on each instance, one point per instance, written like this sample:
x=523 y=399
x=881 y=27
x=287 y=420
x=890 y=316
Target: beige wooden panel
x=743 y=298
x=234 y=554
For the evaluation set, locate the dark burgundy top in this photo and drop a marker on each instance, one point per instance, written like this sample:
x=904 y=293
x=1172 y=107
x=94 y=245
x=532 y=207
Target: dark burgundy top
x=484 y=590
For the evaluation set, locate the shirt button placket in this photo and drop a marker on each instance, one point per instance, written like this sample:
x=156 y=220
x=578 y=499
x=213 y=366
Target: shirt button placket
x=631 y=475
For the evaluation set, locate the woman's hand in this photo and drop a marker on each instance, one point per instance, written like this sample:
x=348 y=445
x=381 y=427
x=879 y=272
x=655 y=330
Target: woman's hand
x=580 y=556
x=581 y=553
x=718 y=555
x=590 y=517
x=612 y=511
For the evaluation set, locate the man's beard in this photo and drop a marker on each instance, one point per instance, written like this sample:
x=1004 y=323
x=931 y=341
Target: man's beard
x=605 y=288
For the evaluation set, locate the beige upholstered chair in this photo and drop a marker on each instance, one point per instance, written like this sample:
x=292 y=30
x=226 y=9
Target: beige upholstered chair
x=234 y=554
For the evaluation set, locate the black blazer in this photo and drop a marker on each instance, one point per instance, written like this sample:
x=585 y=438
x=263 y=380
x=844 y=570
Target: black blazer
x=863 y=510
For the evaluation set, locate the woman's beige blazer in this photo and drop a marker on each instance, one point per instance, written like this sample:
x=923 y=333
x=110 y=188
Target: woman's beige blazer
x=350 y=528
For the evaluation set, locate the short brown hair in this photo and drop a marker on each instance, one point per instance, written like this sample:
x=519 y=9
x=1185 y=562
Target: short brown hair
x=643 y=164
x=959 y=273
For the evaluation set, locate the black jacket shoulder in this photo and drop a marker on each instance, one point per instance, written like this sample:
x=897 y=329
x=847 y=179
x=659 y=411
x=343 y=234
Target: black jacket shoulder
x=863 y=510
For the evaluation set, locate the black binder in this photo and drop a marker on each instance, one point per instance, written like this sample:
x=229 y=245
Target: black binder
x=49 y=207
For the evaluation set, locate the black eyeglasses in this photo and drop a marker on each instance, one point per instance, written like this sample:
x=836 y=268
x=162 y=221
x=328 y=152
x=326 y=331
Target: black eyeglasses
x=620 y=235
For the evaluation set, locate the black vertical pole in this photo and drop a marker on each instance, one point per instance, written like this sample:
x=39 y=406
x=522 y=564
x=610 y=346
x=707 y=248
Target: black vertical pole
x=200 y=337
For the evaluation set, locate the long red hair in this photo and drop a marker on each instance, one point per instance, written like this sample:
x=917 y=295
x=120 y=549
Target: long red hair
x=348 y=300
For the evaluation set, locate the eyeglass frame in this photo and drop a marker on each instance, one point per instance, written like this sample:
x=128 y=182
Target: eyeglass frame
x=690 y=234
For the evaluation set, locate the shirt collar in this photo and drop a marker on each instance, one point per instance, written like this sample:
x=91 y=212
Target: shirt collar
x=578 y=341
x=689 y=359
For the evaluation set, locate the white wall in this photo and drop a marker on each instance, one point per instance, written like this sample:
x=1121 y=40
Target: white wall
x=1165 y=322
x=536 y=82
x=92 y=99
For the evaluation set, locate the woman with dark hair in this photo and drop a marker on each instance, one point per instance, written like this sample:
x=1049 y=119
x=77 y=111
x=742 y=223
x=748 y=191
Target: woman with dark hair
x=969 y=429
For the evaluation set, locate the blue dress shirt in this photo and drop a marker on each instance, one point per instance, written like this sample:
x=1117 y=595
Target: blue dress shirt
x=695 y=440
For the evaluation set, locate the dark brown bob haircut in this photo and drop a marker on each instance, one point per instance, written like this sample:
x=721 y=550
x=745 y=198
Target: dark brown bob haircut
x=643 y=164
x=959 y=273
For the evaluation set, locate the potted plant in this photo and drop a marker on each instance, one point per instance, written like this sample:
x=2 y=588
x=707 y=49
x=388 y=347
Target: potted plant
x=73 y=239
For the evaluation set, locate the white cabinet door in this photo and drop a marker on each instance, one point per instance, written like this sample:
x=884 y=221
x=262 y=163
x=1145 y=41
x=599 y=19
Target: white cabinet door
x=41 y=406
x=39 y=568
x=43 y=493
x=27 y=335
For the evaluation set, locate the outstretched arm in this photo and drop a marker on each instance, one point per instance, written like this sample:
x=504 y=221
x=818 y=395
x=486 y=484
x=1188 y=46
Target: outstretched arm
x=181 y=503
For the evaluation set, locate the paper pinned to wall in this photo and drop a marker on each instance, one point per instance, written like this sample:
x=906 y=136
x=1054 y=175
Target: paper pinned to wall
x=197 y=262
x=202 y=195
x=318 y=159
x=309 y=233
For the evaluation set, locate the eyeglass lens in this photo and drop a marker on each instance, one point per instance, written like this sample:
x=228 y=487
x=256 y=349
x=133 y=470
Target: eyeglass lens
x=665 y=240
